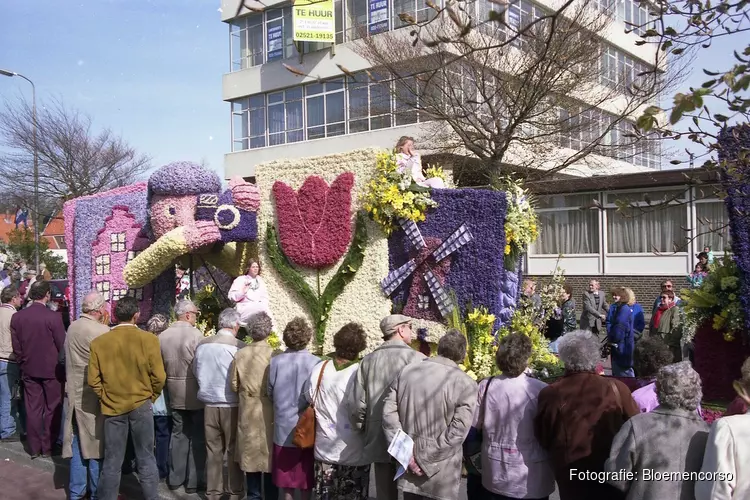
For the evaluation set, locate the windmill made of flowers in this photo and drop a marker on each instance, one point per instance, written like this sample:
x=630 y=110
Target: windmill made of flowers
x=428 y=266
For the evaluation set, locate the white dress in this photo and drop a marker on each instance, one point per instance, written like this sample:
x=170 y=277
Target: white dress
x=253 y=301
x=413 y=166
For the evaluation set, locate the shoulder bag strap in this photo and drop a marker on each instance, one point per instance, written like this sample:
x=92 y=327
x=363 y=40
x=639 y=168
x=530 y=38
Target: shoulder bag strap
x=484 y=401
x=320 y=379
x=615 y=389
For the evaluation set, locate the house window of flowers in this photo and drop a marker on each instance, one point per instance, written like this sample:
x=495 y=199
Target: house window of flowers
x=118 y=294
x=103 y=288
x=117 y=242
x=136 y=293
x=132 y=255
x=102 y=265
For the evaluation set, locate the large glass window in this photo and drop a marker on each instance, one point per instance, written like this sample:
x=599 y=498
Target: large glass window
x=647 y=222
x=279 y=34
x=712 y=225
x=325 y=109
x=567 y=225
x=369 y=104
x=285 y=120
x=257 y=121
x=247 y=42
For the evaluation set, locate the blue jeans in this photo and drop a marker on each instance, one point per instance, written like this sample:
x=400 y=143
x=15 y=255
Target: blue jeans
x=618 y=371
x=254 y=481
x=82 y=471
x=9 y=416
x=162 y=431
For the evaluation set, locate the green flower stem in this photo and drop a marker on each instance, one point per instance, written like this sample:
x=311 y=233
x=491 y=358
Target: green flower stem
x=319 y=304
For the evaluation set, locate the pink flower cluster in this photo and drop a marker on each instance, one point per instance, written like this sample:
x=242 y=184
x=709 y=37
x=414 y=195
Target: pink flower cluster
x=314 y=223
x=244 y=194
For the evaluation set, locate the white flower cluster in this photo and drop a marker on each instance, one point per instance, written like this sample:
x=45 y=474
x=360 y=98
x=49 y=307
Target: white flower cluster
x=362 y=300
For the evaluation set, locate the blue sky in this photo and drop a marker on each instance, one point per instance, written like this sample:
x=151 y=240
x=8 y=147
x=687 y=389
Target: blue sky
x=148 y=69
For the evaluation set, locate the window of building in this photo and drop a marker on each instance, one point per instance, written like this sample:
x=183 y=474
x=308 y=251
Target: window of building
x=119 y=293
x=520 y=14
x=649 y=222
x=117 y=242
x=246 y=35
x=249 y=123
x=325 y=109
x=285 y=119
x=712 y=225
x=102 y=265
x=279 y=34
x=103 y=288
x=416 y=9
x=568 y=224
x=136 y=293
x=634 y=14
x=132 y=255
x=369 y=104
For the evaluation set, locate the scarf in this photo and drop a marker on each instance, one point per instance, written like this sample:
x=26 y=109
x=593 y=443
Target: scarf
x=659 y=312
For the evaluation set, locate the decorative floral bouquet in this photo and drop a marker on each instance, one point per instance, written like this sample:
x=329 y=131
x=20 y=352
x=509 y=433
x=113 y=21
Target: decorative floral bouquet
x=210 y=303
x=716 y=302
x=390 y=195
x=522 y=322
x=521 y=221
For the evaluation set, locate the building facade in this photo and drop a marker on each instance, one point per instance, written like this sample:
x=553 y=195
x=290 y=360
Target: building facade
x=318 y=109
x=631 y=230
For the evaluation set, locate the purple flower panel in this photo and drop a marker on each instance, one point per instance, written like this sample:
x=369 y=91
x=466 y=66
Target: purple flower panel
x=476 y=272
x=90 y=215
x=737 y=184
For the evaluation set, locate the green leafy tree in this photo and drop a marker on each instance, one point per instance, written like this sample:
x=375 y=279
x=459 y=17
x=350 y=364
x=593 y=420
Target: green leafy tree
x=21 y=244
x=56 y=265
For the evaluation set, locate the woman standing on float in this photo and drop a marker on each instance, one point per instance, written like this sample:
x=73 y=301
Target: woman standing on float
x=250 y=294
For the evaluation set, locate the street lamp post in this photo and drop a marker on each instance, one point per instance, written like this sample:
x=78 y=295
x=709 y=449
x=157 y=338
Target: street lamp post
x=36 y=165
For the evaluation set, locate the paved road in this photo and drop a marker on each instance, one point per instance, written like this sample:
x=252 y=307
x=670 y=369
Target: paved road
x=46 y=479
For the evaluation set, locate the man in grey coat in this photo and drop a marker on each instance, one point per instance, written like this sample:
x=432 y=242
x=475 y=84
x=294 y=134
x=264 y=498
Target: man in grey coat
x=365 y=403
x=668 y=441
x=187 y=449
x=433 y=402
x=594 y=309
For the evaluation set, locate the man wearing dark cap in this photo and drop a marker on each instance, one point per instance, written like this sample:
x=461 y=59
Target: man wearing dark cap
x=365 y=403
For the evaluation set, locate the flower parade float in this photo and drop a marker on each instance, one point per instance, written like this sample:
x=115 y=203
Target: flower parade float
x=340 y=238
x=716 y=312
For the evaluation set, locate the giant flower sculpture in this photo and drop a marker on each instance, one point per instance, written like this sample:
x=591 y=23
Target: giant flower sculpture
x=315 y=222
x=315 y=229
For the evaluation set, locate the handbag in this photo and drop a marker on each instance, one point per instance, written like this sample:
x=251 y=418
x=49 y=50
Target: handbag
x=473 y=442
x=304 y=431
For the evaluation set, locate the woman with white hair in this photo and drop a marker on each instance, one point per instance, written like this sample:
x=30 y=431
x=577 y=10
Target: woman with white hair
x=668 y=440
x=726 y=462
x=578 y=417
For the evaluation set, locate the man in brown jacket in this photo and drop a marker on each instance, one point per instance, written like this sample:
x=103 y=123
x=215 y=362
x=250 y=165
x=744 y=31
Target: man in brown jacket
x=187 y=451
x=127 y=373
x=83 y=426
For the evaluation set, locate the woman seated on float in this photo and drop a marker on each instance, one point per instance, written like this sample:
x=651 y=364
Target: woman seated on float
x=409 y=162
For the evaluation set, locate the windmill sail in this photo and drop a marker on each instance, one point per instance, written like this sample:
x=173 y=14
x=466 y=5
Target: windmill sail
x=459 y=238
x=444 y=303
x=412 y=232
x=397 y=276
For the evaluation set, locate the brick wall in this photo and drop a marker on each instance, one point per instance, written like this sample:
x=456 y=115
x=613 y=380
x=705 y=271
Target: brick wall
x=646 y=288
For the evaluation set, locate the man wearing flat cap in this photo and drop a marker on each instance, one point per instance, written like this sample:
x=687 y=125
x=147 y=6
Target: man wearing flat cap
x=365 y=403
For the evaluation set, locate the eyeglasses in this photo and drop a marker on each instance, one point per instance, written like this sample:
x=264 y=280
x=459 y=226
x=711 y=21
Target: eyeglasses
x=197 y=313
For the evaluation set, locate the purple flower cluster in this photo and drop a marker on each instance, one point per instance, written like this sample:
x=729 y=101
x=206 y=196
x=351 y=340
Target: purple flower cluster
x=476 y=272
x=84 y=219
x=736 y=180
x=183 y=178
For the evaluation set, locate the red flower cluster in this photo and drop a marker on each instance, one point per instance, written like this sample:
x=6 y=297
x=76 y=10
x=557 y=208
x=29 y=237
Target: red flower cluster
x=315 y=224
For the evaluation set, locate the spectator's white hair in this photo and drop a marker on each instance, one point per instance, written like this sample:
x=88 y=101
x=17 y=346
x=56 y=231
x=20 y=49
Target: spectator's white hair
x=229 y=318
x=679 y=386
x=579 y=351
x=93 y=301
x=183 y=307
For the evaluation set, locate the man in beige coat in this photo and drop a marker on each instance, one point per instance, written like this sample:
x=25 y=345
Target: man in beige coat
x=365 y=403
x=433 y=402
x=249 y=379
x=187 y=449
x=83 y=439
